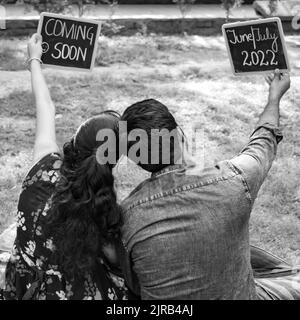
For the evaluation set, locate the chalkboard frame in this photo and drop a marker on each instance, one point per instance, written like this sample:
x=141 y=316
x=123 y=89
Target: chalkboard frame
x=253 y=22
x=54 y=15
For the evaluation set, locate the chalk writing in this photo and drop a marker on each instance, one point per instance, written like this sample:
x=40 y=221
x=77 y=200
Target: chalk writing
x=58 y=28
x=255 y=36
x=68 y=42
x=256 y=46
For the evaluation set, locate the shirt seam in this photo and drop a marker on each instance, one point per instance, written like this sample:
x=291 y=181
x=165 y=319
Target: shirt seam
x=241 y=173
x=183 y=189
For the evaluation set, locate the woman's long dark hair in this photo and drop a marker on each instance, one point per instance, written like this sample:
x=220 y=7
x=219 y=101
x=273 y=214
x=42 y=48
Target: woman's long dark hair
x=84 y=211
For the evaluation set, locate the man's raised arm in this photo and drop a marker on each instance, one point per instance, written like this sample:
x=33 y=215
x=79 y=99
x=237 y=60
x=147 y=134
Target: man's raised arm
x=257 y=157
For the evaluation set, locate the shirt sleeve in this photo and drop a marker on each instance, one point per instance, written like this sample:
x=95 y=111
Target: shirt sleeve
x=255 y=160
x=131 y=279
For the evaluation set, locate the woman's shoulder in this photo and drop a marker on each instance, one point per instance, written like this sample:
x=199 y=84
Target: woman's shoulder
x=49 y=161
x=46 y=170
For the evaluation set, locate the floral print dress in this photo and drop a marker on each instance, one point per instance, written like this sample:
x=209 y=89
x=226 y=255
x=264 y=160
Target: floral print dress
x=30 y=273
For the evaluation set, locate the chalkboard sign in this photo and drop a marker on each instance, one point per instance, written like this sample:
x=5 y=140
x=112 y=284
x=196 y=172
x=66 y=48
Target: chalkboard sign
x=256 y=46
x=68 y=42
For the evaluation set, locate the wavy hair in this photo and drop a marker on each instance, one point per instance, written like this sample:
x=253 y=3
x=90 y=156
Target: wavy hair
x=84 y=211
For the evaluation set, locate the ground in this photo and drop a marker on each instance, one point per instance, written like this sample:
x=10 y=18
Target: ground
x=189 y=74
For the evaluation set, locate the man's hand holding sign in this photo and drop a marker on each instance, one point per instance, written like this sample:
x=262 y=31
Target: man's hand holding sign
x=259 y=47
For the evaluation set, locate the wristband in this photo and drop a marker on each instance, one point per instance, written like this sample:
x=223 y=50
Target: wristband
x=31 y=59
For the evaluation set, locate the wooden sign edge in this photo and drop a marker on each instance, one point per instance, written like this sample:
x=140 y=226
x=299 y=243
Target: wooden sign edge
x=55 y=15
x=257 y=21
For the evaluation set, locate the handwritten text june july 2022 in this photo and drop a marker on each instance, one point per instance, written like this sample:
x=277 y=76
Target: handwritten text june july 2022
x=256 y=36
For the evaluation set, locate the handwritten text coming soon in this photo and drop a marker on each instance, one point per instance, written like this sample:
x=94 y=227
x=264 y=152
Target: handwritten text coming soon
x=58 y=28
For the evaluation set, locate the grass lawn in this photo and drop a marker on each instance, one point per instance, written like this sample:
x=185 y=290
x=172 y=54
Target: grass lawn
x=191 y=75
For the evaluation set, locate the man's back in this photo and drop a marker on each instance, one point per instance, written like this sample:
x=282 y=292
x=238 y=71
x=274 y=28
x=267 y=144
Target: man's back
x=187 y=231
x=189 y=239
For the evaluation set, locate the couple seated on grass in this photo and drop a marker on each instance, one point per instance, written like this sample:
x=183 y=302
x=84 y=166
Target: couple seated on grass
x=181 y=234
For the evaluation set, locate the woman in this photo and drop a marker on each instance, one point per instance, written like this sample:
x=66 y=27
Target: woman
x=68 y=217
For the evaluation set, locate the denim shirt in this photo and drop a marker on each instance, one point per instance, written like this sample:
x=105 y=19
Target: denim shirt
x=186 y=231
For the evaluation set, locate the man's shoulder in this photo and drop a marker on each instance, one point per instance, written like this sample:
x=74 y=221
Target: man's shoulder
x=135 y=195
x=175 y=182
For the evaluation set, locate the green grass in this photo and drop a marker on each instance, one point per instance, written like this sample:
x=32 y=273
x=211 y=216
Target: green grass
x=189 y=74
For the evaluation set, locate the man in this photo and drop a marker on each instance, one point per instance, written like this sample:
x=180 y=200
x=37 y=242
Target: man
x=186 y=230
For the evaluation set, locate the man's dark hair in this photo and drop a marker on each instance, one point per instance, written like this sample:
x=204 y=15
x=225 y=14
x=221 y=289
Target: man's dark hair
x=149 y=115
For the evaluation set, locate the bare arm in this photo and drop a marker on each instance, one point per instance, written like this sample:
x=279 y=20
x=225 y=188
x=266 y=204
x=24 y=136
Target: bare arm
x=45 y=139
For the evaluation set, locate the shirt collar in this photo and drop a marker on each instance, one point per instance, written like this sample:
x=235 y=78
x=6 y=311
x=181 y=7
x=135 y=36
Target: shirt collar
x=168 y=169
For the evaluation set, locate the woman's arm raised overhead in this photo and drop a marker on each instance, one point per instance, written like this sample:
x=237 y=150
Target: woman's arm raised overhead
x=45 y=139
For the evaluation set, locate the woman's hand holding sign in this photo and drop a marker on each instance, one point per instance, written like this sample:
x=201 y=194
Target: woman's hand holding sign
x=45 y=140
x=34 y=47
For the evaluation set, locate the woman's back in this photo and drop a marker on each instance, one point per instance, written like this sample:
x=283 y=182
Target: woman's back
x=33 y=272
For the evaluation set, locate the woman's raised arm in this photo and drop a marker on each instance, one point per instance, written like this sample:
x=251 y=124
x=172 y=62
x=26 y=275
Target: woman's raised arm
x=45 y=139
